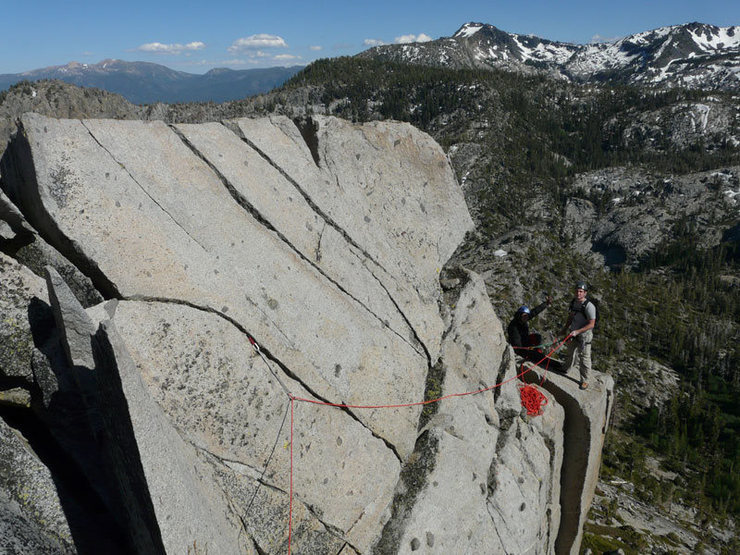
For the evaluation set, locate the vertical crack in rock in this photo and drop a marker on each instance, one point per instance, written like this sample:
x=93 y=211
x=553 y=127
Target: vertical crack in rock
x=607 y=411
x=501 y=375
x=490 y=507
x=577 y=443
x=432 y=390
x=246 y=205
x=413 y=478
x=142 y=187
x=505 y=423
x=20 y=184
x=573 y=474
x=317 y=252
x=550 y=444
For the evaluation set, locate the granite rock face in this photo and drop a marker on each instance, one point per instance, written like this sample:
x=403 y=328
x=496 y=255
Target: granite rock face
x=19 y=287
x=31 y=515
x=275 y=321
x=640 y=209
x=587 y=416
x=493 y=486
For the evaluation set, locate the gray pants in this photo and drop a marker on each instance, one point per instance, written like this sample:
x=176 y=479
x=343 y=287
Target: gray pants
x=578 y=352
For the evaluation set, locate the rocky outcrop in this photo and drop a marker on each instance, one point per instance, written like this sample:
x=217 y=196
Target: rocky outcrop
x=641 y=210
x=20 y=292
x=492 y=487
x=274 y=321
x=587 y=415
x=63 y=100
x=31 y=515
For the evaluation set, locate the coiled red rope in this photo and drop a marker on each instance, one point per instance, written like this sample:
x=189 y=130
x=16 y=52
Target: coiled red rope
x=532 y=399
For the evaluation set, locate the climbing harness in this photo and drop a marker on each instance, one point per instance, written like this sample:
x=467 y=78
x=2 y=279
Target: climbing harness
x=532 y=398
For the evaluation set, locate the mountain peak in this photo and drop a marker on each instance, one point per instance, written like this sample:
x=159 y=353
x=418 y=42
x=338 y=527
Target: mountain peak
x=469 y=29
x=219 y=71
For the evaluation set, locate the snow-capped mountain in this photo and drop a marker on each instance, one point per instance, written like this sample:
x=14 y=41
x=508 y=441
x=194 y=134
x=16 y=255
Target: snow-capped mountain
x=695 y=55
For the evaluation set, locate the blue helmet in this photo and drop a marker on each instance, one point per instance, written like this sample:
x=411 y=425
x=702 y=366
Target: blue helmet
x=524 y=309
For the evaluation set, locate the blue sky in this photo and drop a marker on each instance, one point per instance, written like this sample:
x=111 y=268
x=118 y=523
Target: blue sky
x=198 y=36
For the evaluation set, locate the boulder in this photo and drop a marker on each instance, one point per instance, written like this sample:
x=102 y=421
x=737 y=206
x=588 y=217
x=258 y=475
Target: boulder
x=31 y=516
x=21 y=294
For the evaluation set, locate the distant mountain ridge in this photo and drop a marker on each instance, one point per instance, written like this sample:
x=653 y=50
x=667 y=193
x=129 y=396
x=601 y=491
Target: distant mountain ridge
x=146 y=83
x=694 y=55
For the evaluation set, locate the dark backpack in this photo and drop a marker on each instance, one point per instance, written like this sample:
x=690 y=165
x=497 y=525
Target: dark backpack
x=597 y=305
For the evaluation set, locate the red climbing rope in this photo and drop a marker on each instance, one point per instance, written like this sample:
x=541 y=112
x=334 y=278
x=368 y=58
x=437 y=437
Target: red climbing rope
x=290 y=504
x=427 y=402
x=548 y=356
x=532 y=399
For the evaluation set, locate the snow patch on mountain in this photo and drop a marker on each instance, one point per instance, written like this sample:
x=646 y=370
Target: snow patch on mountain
x=724 y=38
x=468 y=30
x=694 y=55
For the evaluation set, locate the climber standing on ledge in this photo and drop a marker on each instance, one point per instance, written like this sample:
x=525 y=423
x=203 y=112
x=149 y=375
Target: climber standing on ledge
x=581 y=321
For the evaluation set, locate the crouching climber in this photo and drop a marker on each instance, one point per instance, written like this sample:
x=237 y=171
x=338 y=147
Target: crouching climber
x=580 y=323
x=518 y=329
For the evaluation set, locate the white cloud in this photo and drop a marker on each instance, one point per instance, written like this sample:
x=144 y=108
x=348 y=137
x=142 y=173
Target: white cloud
x=177 y=48
x=261 y=40
x=286 y=57
x=315 y=48
x=405 y=39
x=373 y=42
